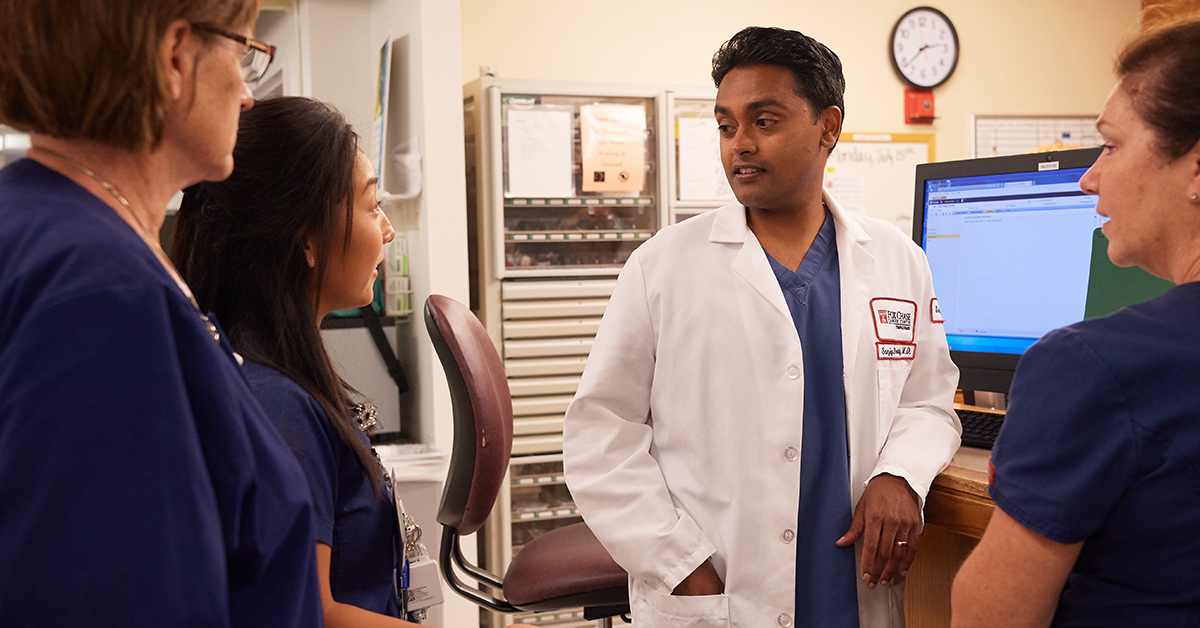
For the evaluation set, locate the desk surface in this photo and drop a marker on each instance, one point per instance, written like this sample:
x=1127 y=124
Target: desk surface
x=968 y=472
x=958 y=499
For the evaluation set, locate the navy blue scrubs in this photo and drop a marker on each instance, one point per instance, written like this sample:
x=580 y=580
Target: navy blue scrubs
x=826 y=579
x=359 y=527
x=1101 y=445
x=140 y=482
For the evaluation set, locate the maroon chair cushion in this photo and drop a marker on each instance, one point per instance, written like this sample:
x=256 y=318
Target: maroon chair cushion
x=562 y=568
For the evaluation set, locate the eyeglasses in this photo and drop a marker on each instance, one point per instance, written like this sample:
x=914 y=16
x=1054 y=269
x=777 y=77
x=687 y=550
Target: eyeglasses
x=258 y=55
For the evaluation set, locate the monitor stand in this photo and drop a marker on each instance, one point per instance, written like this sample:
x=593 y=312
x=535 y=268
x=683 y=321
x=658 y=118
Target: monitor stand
x=984 y=399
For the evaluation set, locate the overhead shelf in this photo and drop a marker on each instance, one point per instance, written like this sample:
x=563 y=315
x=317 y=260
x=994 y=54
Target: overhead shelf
x=577 y=201
x=585 y=236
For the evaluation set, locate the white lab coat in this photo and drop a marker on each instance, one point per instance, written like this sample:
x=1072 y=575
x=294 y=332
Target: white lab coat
x=683 y=440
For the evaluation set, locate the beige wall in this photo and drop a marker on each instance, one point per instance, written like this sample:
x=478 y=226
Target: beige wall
x=339 y=58
x=1018 y=56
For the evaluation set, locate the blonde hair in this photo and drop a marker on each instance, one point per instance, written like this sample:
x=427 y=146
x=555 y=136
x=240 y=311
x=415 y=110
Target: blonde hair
x=89 y=69
x=1156 y=13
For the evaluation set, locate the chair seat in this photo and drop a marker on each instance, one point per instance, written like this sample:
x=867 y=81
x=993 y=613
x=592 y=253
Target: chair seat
x=565 y=568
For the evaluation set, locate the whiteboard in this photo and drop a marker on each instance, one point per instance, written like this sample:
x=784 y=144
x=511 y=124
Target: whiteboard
x=994 y=136
x=875 y=173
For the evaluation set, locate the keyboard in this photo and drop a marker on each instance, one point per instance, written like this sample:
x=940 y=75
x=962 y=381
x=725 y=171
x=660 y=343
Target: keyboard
x=979 y=428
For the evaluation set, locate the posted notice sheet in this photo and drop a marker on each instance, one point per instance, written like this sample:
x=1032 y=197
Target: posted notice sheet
x=701 y=175
x=614 y=147
x=539 y=152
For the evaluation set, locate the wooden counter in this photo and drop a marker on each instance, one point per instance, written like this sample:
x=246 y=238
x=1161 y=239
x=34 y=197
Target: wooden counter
x=957 y=510
x=958 y=499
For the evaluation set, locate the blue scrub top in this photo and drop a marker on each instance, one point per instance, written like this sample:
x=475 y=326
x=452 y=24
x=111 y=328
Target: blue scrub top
x=1101 y=444
x=826 y=578
x=140 y=482
x=359 y=527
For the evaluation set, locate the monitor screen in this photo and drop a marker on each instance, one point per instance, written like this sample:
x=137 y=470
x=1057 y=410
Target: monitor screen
x=1010 y=243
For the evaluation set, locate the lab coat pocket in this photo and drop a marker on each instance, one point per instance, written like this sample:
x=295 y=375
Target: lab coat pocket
x=891 y=384
x=659 y=610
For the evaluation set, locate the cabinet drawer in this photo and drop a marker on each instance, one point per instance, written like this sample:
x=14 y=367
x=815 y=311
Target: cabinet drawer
x=551 y=328
x=541 y=444
x=529 y=290
x=527 y=387
x=547 y=348
x=548 y=424
x=533 y=368
x=528 y=406
x=515 y=310
x=569 y=618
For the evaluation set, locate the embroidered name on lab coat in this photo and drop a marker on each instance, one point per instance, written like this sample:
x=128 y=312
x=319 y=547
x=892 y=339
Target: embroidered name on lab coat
x=935 y=311
x=895 y=351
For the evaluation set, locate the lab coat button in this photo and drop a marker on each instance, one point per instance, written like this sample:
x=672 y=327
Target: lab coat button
x=784 y=620
x=793 y=372
x=790 y=454
x=787 y=536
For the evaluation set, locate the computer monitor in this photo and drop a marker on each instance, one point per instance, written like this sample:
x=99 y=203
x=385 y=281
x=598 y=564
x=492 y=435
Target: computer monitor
x=1009 y=242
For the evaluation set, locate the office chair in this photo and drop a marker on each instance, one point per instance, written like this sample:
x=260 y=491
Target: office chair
x=563 y=568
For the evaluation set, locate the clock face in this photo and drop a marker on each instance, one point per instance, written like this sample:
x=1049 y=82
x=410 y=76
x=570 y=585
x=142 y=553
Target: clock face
x=924 y=47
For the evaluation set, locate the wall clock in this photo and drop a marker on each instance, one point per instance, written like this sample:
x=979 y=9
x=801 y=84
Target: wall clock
x=924 y=47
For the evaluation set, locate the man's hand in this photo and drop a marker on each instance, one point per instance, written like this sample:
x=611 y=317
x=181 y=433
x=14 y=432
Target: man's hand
x=703 y=581
x=886 y=514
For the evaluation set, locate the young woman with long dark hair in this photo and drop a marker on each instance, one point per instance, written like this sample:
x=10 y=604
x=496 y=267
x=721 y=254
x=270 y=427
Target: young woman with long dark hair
x=293 y=234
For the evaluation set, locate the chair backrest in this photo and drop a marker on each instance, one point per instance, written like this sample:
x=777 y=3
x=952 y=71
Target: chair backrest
x=483 y=415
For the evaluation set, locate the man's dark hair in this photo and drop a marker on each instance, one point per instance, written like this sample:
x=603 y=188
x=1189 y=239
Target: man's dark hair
x=817 y=70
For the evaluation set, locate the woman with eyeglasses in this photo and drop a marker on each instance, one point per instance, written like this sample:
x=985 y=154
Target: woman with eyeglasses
x=141 y=484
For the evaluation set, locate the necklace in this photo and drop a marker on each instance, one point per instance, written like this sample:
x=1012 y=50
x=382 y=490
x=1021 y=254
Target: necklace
x=131 y=219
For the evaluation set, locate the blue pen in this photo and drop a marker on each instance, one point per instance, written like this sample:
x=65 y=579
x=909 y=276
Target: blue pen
x=404 y=589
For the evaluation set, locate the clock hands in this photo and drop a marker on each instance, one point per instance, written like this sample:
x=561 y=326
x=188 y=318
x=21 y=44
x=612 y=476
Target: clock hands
x=921 y=50
x=913 y=58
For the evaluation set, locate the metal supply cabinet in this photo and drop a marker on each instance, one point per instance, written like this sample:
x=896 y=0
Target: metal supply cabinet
x=542 y=270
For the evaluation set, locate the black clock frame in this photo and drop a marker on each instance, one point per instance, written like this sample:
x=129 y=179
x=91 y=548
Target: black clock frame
x=892 y=47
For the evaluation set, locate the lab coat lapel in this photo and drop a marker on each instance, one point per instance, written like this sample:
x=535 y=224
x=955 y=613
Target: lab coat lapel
x=751 y=261
x=856 y=267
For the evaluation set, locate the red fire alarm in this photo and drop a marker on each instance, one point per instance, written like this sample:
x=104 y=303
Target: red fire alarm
x=918 y=106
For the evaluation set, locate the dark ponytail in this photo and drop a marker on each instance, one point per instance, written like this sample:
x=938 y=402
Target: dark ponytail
x=239 y=244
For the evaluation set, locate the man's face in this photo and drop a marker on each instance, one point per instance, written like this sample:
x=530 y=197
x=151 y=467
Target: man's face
x=773 y=145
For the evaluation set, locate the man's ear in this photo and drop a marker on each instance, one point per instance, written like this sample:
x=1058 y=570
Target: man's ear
x=831 y=126
x=177 y=55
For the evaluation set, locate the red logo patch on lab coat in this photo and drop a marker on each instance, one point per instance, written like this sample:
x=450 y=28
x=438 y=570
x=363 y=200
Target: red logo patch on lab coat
x=895 y=320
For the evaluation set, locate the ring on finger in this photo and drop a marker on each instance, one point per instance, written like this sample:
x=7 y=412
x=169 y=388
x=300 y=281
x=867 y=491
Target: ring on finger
x=901 y=544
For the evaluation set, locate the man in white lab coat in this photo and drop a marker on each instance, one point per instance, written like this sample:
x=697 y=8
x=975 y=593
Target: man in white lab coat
x=770 y=393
